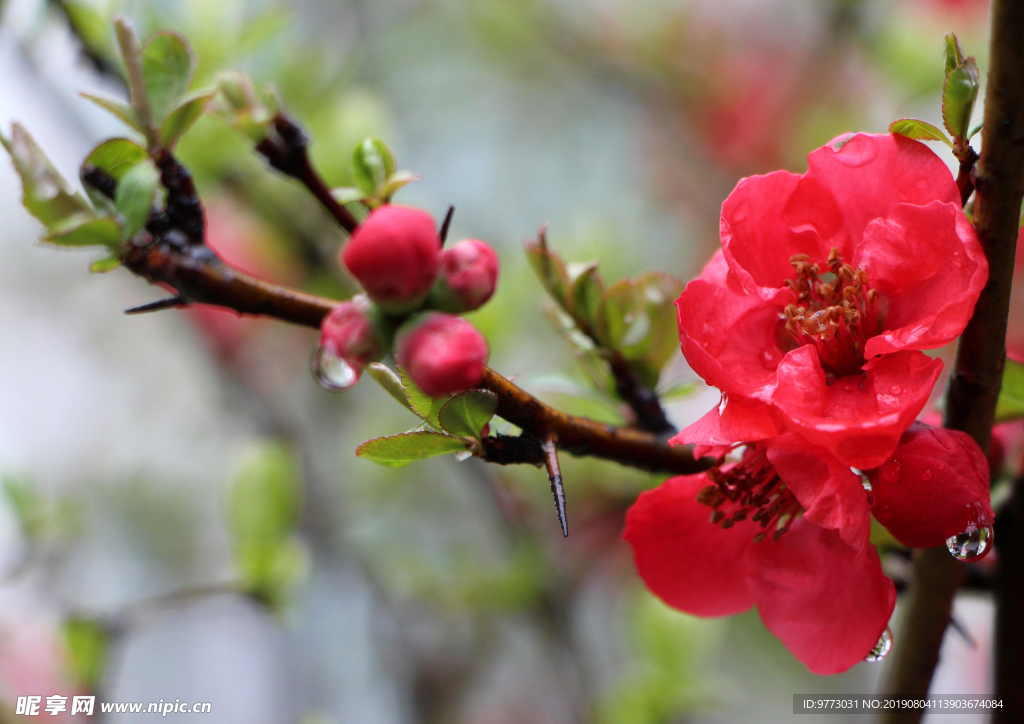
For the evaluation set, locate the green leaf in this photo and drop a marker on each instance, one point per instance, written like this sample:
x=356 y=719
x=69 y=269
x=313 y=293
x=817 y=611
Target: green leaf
x=45 y=192
x=27 y=505
x=182 y=117
x=131 y=52
x=586 y=293
x=395 y=182
x=549 y=269
x=116 y=157
x=959 y=93
x=420 y=402
x=103 y=231
x=679 y=388
x=240 y=106
x=107 y=263
x=918 y=130
x=390 y=381
x=167 y=67
x=87 y=643
x=465 y=414
x=954 y=55
x=135 y=195
x=119 y=108
x=974 y=131
x=638 y=319
x=89 y=25
x=372 y=165
x=347 y=194
x=397 y=451
x=1010 y=405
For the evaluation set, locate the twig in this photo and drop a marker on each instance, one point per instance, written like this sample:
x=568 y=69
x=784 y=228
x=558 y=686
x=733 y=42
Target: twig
x=975 y=382
x=287 y=150
x=965 y=175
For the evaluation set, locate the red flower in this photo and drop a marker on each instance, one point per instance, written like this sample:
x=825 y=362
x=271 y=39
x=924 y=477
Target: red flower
x=395 y=255
x=812 y=316
x=441 y=352
x=788 y=531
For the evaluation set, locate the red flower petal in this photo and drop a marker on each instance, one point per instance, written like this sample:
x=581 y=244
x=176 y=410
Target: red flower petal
x=832 y=496
x=828 y=603
x=735 y=419
x=871 y=175
x=683 y=558
x=728 y=338
x=934 y=486
x=928 y=264
x=859 y=418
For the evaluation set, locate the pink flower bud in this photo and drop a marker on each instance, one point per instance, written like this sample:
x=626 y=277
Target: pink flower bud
x=348 y=332
x=395 y=254
x=468 y=276
x=441 y=352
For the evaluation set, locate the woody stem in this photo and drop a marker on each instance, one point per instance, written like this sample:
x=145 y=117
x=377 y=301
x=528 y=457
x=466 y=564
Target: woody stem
x=974 y=388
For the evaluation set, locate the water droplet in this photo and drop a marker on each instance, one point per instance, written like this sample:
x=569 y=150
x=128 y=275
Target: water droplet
x=926 y=475
x=891 y=471
x=770 y=357
x=847 y=387
x=882 y=648
x=332 y=372
x=971 y=545
x=896 y=389
x=957 y=261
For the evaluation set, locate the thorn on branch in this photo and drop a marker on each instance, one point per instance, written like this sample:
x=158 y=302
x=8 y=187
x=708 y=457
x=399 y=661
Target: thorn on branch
x=550 y=447
x=178 y=300
x=446 y=224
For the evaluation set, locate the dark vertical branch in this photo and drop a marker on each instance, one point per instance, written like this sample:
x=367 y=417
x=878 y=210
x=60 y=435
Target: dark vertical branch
x=975 y=381
x=550 y=447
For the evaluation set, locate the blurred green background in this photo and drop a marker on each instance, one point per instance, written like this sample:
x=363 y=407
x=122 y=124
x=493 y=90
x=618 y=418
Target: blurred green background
x=156 y=466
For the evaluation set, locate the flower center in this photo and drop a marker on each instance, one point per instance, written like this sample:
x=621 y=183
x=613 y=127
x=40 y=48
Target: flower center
x=750 y=489
x=836 y=312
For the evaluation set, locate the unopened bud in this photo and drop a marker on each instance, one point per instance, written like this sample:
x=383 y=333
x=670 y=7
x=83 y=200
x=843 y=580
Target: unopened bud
x=442 y=353
x=351 y=332
x=467 y=278
x=395 y=254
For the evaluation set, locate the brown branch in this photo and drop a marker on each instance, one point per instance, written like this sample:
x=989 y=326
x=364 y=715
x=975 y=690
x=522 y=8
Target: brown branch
x=201 y=277
x=965 y=175
x=287 y=150
x=977 y=374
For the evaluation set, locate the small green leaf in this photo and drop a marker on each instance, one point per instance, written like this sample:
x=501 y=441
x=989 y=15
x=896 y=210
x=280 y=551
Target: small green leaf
x=390 y=381
x=89 y=25
x=240 y=106
x=46 y=193
x=397 y=451
x=116 y=157
x=103 y=231
x=586 y=293
x=107 y=263
x=87 y=643
x=135 y=195
x=549 y=269
x=959 y=93
x=131 y=52
x=167 y=67
x=420 y=402
x=347 y=194
x=395 y=182
x=974 y=131
x=918 y=130
x=119 y=108
x=372 y=165
x=679 y=388
x=27 y=505
x=638 y=319
x=182 y=117
x=465 y=414
x=1011 y=397
x=954 y=54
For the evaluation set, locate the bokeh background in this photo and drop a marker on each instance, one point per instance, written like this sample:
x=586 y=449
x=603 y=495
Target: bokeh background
x=144 y=459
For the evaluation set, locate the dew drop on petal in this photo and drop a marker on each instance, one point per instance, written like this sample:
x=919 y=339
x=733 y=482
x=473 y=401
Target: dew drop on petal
x=971 y=545
x=926 y=475
x=882 y=648
x=891 y=471
x=332 y=372
x=957 y=261
x=896 y=389
x=847 y=387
